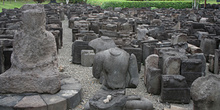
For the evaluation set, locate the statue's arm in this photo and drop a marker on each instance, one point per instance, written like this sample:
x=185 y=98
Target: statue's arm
x=97 y=65
x=133 y=71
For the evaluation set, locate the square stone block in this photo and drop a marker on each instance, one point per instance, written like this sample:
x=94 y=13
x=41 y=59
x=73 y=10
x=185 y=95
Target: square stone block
x=87 y=58
x=174 y=89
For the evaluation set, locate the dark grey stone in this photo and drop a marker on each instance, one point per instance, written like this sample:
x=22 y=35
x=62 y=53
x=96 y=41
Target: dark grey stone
x=208 y=46
x=205 y=93
x=74 y=32
x=141 y=33
x=137 y=52
x=7 y=57
x=191 y=69
x=54 y=102
x=116 y=103
x=95 y=26
x=138 y=103
x=87 y=57
x=7 y=103
x=153 y=80
x=6 y=42
x=108 y=33
x=126 y=76
x=148 y=49
x=2 y=67
x=202 y=58
x=174 y=88
x=217 y=62
x=69 y=81
x=73 y=97
x=77 y=46
x=34 y=102
x=102 y=43
x=73 y=86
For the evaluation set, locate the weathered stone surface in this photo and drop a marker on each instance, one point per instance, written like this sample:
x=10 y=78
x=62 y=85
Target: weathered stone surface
x=208 y=46
x=170 y=60
x=6 y=42
x=87 y=57
x=108 y=33
x=138 y=54
x=152 y=74
x=54 y=102
x=171 y=66
x=77 y=46
x=34 y=102
x=7 y=57
x=153 y=80
x=77 y=87
x=2 y=67
x=95 y=26
x=202 y=58
x=140 y=103
x=148 y=48
x=174 y=107
x=126 y=27
x=126 y=76
x=193 y=49
x=141 y=33
x=152 y=61
x=156 y=22
x=205 y=93
x=116 y=103
x=7 y=103
x=217 y=62
x=102 y=43
x=73 y=97
x=179 y=38
x=174 y=89
x=34 y=59
x=211 y=63
x=191 y=69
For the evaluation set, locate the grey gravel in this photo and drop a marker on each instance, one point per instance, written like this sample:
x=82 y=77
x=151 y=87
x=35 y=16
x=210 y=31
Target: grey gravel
x=90 y=84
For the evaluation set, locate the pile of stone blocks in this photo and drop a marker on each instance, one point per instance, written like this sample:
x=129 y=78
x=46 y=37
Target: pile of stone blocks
x=180 y=41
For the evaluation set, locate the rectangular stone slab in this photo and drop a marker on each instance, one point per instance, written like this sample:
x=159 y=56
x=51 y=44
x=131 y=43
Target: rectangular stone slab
x=174 y=89
x=191 y=69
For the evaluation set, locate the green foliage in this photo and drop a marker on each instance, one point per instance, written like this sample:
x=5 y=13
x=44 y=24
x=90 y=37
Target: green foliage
x=39 y=1
x=11 y=4
x=77 y=1
x=139 y=4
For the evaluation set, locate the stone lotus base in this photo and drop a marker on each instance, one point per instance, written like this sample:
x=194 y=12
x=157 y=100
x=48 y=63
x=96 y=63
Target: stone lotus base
x=67 y=98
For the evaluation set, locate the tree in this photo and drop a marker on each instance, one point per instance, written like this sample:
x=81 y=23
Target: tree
x=196 y=4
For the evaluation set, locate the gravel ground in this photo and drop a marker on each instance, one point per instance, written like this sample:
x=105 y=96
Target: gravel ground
x=90 y=85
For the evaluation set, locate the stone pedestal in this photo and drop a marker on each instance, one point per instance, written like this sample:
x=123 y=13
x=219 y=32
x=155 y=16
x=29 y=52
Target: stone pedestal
x=117 y=101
